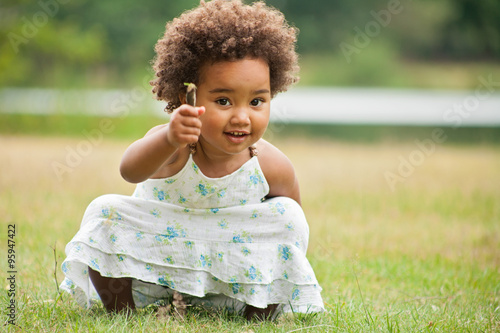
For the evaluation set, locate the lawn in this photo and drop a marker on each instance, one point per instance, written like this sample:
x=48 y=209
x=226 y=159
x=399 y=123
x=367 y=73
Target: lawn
x=418 y=254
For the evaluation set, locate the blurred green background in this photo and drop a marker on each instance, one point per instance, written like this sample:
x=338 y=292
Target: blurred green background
x=105 y=45
x=109 y=44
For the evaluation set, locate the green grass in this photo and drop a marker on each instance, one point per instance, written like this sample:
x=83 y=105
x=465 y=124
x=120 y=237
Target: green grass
x=421 y=258
x=134 y=127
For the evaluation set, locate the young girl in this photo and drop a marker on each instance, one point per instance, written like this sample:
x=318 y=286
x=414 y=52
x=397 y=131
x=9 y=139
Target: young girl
x=216 y=213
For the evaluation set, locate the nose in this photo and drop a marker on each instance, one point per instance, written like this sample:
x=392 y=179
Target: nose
x=240 y=116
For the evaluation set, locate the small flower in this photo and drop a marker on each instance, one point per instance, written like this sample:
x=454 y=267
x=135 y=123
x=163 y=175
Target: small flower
x=120 y=257
x=237 y=239
x=182 y=199
x=246 y=251
x=171 y=233
x=214 y=210
x=280 y=208
x=189 y=244
x=112 y=238
x=255 y=179
x=169 y=260
x=295 y=294
x=139 y=235
x=205 y=261
x=165 y=280
x=222 y=224
x=110 y=214
x=221 y=193
x=94 y=264
x=235 y=287
x=156 y=213
x=254 y=274
x=160 y=194
x=195 y=167
x=202 y=190
x=284 y=252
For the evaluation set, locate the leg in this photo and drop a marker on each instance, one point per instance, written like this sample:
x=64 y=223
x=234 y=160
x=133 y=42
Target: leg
x=115 y=293
x=252 y=312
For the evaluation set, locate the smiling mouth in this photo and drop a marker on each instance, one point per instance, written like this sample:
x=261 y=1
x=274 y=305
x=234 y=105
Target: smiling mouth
x=237 y=133
x=236 y=136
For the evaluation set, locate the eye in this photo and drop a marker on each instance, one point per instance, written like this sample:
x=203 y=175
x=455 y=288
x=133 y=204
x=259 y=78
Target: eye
x=223 y=101
x=257 y=102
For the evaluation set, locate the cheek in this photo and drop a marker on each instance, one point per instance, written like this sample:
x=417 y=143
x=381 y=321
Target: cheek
x=262 y=120
x=211 y=124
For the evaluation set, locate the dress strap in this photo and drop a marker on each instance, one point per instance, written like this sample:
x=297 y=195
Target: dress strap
x=253 y=151
x=192 y=148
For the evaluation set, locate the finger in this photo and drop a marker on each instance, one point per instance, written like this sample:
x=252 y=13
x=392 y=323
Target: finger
x=187 y=111
x=190 y=130
x=201 y=110
x=191 y=122
x=188 y=138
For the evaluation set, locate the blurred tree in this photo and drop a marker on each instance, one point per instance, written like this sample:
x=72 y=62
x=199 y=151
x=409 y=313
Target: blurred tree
x=91 y=42
x=473 y=32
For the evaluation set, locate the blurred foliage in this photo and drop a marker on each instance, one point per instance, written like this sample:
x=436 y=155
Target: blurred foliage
x=82 y=43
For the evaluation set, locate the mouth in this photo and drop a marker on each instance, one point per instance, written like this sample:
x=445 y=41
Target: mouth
x=236 y=136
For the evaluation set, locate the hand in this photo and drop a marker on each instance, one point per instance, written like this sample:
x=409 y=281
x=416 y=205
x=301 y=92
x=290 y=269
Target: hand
x=185 y=126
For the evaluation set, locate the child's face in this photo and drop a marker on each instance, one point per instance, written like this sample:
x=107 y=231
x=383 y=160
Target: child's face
x=236 y=96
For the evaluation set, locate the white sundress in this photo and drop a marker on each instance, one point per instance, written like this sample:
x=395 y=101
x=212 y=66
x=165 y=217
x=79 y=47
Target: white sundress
x=215 y=240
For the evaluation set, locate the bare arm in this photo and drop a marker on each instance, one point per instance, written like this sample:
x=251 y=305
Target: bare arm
x=145 y=156
x=279 y=172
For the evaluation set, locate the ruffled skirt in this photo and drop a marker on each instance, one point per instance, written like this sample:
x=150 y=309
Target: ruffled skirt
x=251 y=254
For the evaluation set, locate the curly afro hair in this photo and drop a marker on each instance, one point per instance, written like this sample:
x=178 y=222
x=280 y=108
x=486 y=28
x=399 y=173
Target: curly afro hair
x=222 y=30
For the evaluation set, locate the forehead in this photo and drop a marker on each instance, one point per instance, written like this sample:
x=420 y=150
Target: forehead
x=242 y=71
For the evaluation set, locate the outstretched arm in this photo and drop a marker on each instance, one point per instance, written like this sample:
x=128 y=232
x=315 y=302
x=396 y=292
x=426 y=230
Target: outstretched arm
x=145 y=156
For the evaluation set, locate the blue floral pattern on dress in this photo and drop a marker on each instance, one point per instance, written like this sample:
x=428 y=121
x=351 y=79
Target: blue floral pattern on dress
x=222 y=224
x=160 y=194
x=205 y=261
x=253 y=274
x=242 y=237
x=284 y=252
x=110 y=214
x=200 y=235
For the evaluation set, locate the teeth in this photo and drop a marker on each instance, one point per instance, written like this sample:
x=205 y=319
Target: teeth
x=236 y=133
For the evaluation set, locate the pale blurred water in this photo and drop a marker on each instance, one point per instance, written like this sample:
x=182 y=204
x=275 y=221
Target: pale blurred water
x=299 y=105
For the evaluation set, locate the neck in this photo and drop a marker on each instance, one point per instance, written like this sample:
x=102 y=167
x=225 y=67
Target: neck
x=218 y=165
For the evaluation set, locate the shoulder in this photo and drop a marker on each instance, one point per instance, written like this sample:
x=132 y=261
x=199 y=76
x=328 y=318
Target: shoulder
x=156 y=129
x=175 y=162
x=278 y=170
